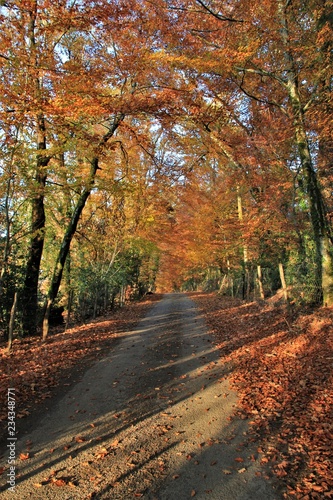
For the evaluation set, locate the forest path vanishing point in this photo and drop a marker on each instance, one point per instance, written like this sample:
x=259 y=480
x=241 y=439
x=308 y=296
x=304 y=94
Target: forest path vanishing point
x=153 y=420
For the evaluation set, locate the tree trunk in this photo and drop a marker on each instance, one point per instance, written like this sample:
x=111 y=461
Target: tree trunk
x=71 y=229
x=260 y=283
x=69 y=308
x=7 y=245
x=29 y=296
x=95 y=304
x=321 y=231
x=283 y=282
x=11 y=323
x=245 y=273
x=327 y=274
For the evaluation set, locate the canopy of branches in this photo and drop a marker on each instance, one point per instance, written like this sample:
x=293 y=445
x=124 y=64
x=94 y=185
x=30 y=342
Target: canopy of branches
x=171 y=145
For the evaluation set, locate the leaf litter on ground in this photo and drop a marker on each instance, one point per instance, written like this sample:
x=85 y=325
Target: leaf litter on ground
x=283 y=372
x=36 y=369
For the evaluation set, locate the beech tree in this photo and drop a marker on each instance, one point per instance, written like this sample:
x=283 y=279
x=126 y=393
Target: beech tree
x=73 y=75
x=195 y=115
x=23 y=98
x=267 y=52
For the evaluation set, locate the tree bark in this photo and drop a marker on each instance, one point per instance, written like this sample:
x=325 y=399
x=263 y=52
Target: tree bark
x=7 y=245
x=283 y=282
x=29 y=295
x=261 y=287
x=11 y=324
x=246 y=274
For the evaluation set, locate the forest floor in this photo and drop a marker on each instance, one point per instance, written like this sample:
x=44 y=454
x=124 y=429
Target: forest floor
x=279 y=364
x=283 y=373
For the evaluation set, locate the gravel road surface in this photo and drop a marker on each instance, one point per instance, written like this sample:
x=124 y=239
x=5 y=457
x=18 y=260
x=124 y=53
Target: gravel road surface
x=152 y=420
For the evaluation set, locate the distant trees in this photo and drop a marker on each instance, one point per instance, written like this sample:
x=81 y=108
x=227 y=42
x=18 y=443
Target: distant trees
x=257 y=74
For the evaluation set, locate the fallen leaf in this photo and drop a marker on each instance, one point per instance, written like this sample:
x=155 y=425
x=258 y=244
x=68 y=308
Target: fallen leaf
x=59 y=482
x=102 y=453
x=80 y=439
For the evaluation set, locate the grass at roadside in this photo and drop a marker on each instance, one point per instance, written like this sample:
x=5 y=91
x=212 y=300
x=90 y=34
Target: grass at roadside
x=283 y=372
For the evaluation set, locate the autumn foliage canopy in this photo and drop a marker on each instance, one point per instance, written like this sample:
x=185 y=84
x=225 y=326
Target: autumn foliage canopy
x=177 y=145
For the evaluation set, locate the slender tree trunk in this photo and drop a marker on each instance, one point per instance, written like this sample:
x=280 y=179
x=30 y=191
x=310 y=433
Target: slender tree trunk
x=246 y=274
x=70 y=291
x=69 y=308
x=321 y=231
x=95 y=304
x=283 y=282
x=327 y=274
x=11 y=323
x=260 y=283
x=71 y=229
x=7 y=245
x=106 y=298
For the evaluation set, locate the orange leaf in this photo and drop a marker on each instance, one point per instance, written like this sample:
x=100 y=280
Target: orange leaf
x=60 y=482
x=80 y=439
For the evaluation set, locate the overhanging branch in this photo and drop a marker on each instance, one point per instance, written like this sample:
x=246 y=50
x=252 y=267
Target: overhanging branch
x=218 y=16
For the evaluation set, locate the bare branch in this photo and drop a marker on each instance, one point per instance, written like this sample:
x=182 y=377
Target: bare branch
x=218 y=16
x=262 y=72
x=263 y=101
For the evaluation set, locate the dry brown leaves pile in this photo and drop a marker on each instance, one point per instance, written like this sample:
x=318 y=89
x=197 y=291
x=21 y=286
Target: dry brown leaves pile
x=35 y=368
x=283 y=371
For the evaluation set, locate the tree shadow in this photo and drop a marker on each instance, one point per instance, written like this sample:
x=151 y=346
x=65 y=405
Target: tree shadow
x=177 y=364
x=283 y=371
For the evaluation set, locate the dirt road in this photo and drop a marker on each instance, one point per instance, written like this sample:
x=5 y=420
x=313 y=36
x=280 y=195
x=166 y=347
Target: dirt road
x=153 y=420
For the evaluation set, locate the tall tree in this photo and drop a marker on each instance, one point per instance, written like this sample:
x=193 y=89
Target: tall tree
x=71 y=229
x=267 y=51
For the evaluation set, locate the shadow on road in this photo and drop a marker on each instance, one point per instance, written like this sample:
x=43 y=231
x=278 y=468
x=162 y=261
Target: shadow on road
x=153 y=419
